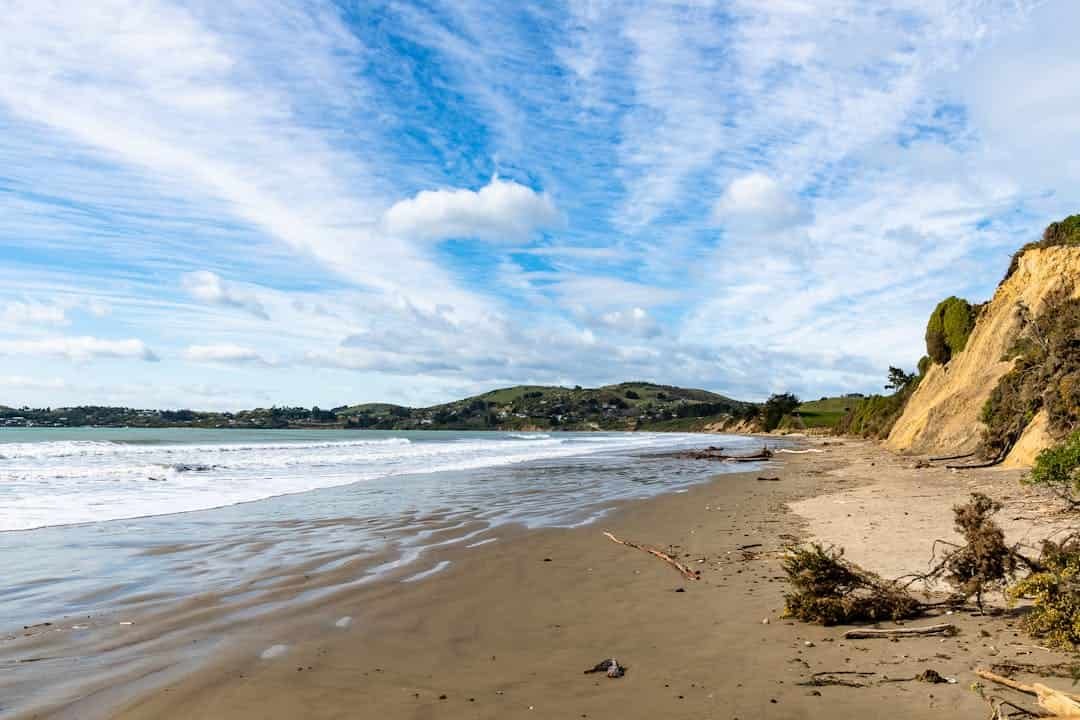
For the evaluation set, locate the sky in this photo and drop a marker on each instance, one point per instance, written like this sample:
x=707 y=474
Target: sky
x=221 y=204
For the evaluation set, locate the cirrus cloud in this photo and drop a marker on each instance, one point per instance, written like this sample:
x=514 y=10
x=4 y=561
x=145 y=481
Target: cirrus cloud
x=225 y=353
x=80 y=349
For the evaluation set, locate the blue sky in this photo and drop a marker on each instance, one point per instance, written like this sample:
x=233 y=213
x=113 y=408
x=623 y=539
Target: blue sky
x=236 y=203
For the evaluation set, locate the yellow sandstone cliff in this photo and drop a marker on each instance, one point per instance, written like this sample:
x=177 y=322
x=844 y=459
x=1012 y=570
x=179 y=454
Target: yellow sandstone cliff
x=942 y=416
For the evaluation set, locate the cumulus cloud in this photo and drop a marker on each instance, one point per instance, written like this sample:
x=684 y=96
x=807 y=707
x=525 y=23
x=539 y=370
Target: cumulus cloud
x=79 y=349
x=212 y=289
x=501 y=211
x=31 y=313
x=225 y=353
x=757 y=202
x=633 y=321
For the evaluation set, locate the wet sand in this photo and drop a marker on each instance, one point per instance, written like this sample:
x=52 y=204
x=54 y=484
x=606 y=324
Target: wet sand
x=506 y=630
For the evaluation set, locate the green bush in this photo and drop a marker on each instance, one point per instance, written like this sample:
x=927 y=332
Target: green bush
x=775 y=408
x=1055 y=591
x=948 y=329
x=874 y=416
x=924 y=365
x=1058 y=468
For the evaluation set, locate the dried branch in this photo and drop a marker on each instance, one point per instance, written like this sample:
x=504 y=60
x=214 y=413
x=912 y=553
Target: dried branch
x=683 y=569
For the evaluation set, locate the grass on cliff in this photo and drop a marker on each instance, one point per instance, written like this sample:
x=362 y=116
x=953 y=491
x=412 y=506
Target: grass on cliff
x=827 y=412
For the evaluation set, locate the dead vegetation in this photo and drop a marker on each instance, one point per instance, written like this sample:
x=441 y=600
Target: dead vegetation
x=830 y=590
x=983 y=563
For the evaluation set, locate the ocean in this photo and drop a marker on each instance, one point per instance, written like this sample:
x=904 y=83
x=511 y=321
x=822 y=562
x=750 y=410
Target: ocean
x=96 y=517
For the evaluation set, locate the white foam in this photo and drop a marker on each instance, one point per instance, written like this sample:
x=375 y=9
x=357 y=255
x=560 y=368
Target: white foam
x=274 y=651
x=66 y=482
x=439 y=567
x=344 y=622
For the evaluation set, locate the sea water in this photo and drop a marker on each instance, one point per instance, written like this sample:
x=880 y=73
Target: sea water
x=95 y=517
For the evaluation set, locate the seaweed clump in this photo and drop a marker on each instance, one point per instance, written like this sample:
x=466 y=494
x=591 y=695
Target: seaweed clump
x=830 y=590
x=1054 y=589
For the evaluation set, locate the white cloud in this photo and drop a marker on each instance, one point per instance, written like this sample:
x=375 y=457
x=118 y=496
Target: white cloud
x=33 y=314
x=758 y=203
x=225 y=353
x=633 y=322
x=501 y=211
x=31 y=383
x=210 y=288
x=79 y=349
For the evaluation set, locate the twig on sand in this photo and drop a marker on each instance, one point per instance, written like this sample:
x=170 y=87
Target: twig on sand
x=1061 y=703
x=828 y=677
x=683 y=569
x=868 y=633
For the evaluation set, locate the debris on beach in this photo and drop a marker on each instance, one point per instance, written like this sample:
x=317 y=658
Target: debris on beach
x=830 y=590
x=947 y=629
x=685 y=571
x=717 y=453
x=1058 y=702
x=610 y=667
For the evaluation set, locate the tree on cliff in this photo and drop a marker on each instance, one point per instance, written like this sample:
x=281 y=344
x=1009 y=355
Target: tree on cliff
x=776 y=407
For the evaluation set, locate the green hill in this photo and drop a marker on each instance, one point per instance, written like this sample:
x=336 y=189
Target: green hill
x=826 y=412
x=625 y=406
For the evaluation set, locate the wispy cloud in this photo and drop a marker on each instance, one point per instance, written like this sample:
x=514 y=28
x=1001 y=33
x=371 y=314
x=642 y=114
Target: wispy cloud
x=226 y=354
x=210 y=288
x=423 y=198
x=79 y=349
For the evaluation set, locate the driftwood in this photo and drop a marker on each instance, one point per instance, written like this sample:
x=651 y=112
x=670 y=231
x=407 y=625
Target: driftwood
x=868 y=633
x=974 y=466
x=683 y=569
x=717 y=453
x=952 y=457
x=1062 y=704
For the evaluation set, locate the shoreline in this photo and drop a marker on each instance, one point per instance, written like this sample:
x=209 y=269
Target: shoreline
x=506 y=629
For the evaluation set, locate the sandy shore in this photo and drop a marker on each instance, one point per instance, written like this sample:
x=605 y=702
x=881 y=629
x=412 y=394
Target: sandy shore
x=506 y=631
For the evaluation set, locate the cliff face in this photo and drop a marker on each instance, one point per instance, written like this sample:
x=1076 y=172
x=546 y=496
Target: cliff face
x=942 y=416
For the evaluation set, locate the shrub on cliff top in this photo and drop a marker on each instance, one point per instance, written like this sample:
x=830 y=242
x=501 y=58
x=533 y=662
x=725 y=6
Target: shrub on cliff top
x=948 y=329
x=1064 y=232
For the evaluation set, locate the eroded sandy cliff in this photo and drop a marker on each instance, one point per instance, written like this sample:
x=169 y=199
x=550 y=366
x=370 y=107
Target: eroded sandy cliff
x=942 y=416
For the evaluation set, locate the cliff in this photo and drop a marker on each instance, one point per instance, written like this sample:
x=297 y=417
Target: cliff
x=943 y=414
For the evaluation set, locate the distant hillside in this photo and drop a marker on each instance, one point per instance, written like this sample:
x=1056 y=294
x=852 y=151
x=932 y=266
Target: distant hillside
x=626 y=406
